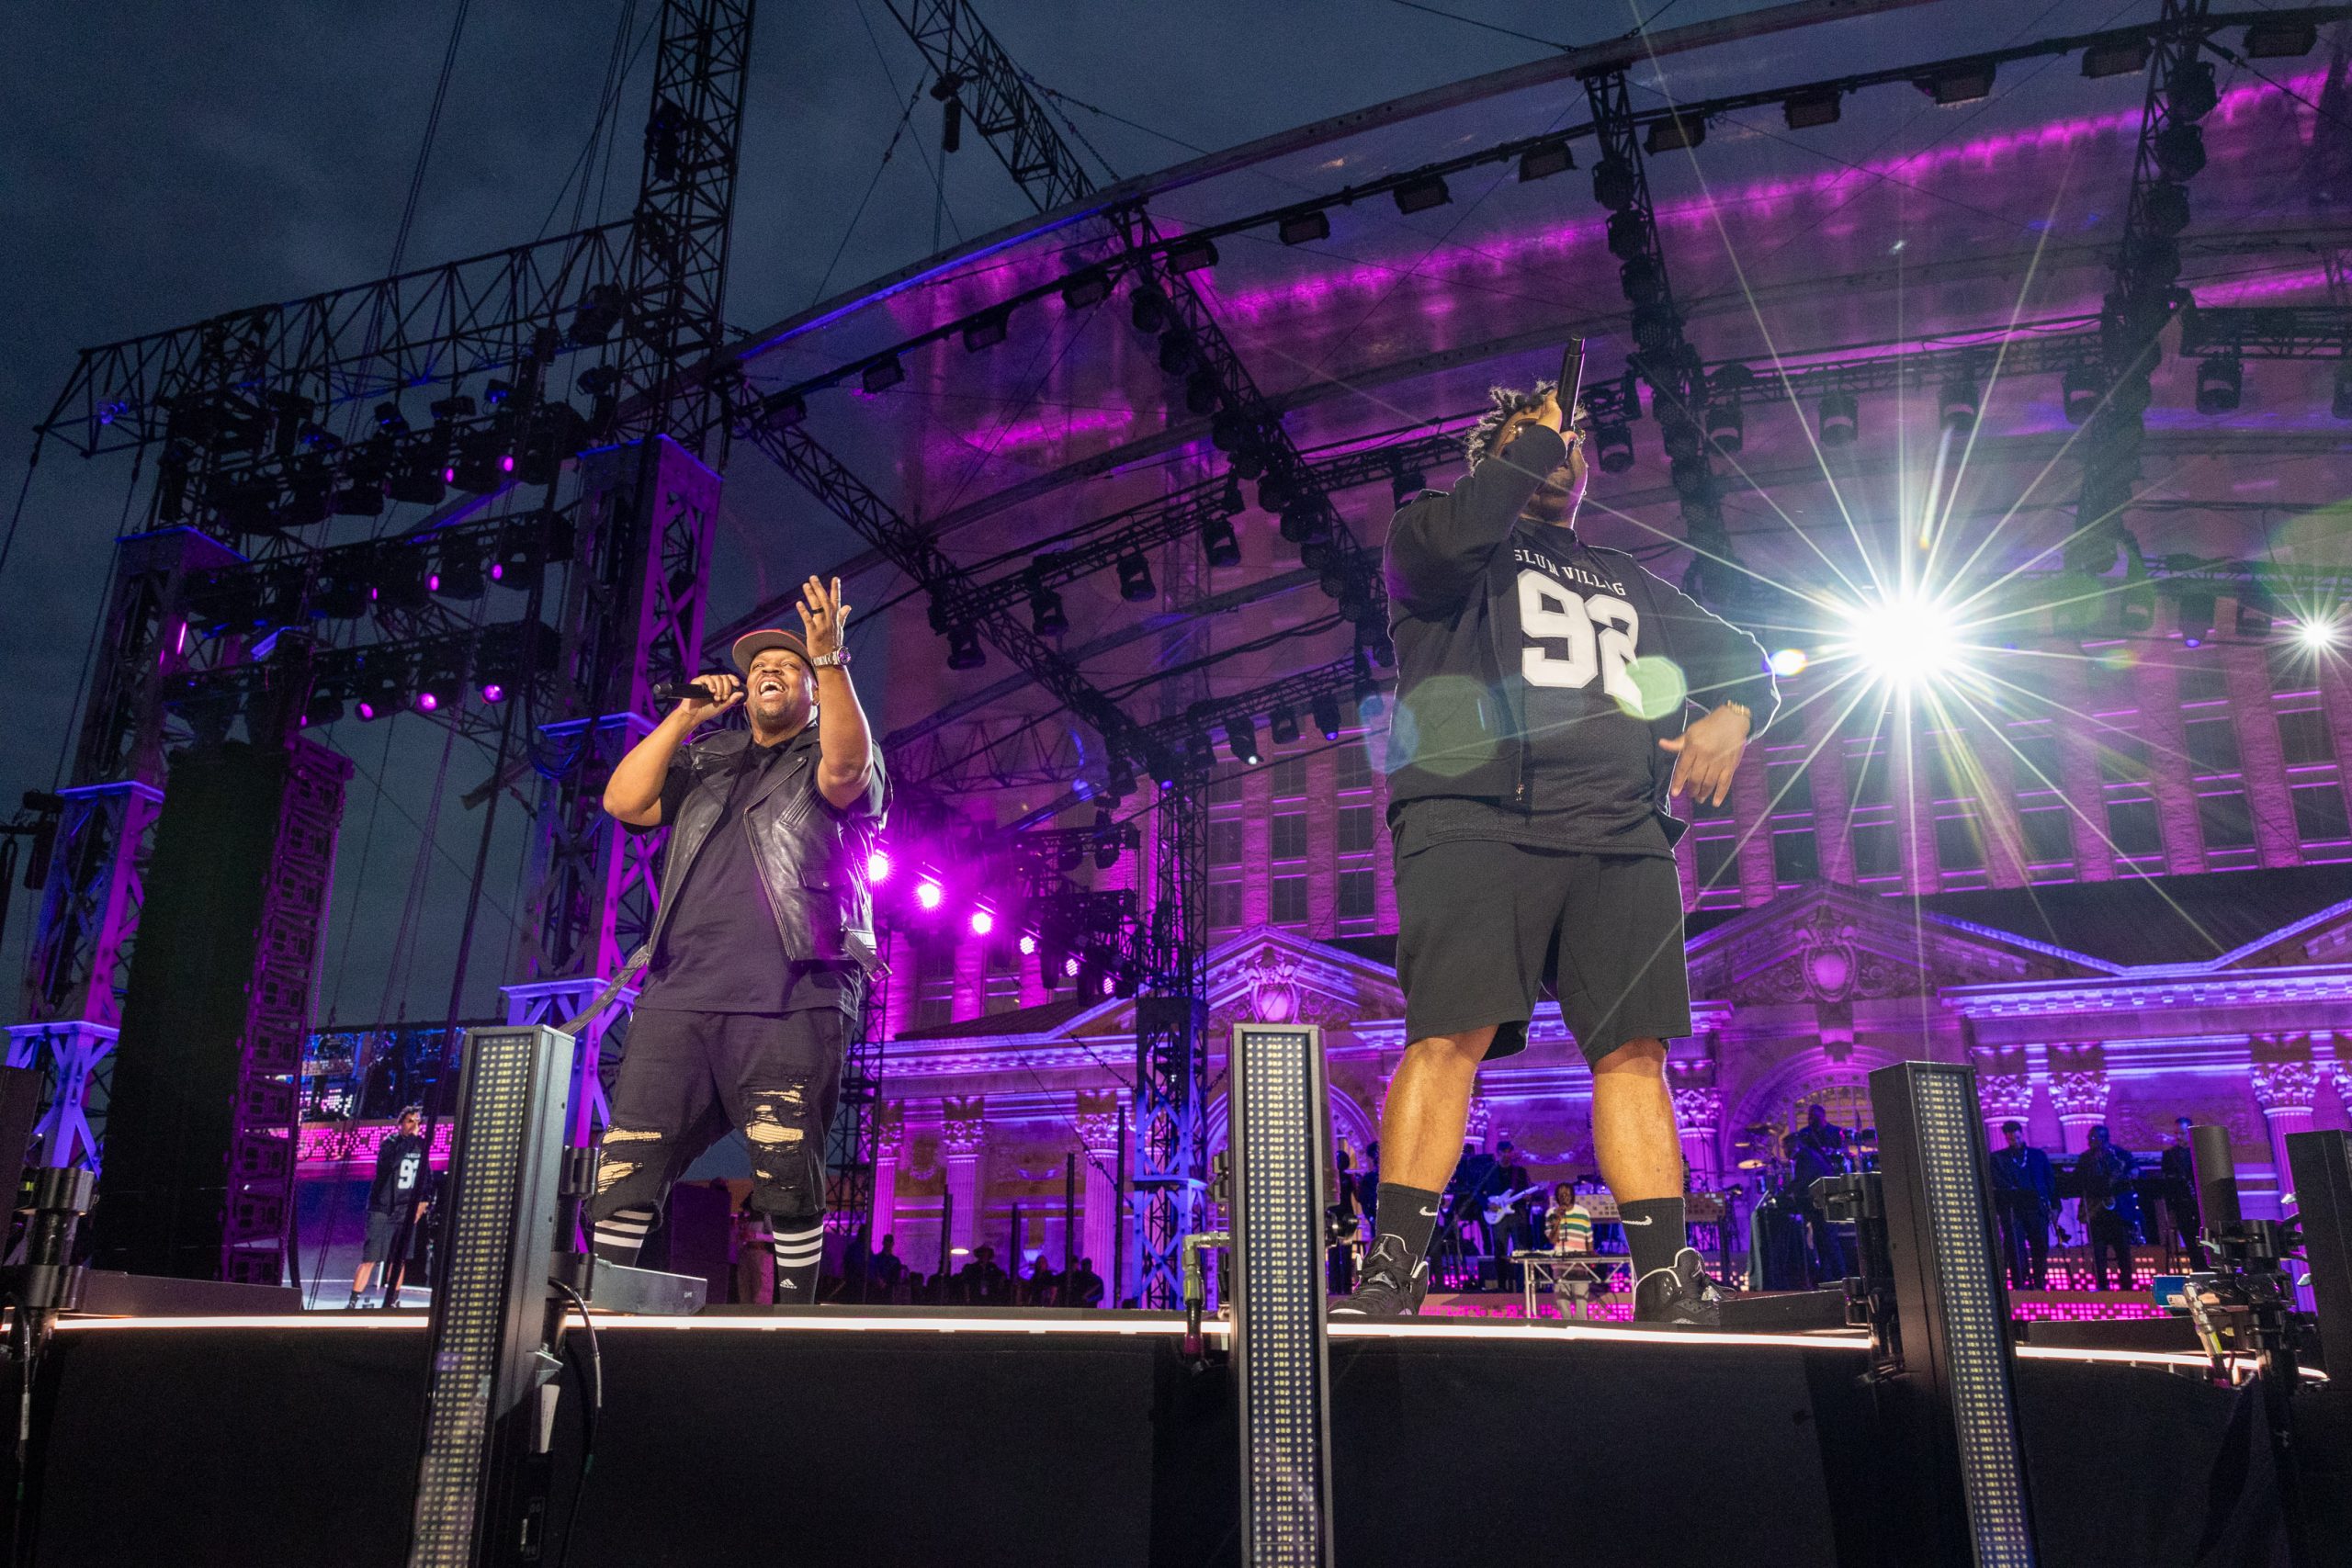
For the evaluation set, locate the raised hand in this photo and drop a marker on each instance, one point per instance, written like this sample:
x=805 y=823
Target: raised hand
x=823 y=616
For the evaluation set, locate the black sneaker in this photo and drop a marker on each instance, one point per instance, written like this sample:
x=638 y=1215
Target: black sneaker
x=1392 y=1286
x=1680 y=1297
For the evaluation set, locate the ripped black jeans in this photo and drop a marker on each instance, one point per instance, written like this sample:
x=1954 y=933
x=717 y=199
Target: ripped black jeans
x=686 y=1079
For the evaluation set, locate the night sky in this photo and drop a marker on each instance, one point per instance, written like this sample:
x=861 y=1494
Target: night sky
x=167 y=162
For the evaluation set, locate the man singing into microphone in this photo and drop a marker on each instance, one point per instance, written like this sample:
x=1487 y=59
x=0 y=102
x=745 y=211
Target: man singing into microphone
x=764 y=939
x=1543 y=687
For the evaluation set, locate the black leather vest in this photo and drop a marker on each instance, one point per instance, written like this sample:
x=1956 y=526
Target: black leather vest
x=811 y=860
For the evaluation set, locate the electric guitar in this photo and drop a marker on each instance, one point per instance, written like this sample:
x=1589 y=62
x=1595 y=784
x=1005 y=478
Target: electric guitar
x=1497 y=1207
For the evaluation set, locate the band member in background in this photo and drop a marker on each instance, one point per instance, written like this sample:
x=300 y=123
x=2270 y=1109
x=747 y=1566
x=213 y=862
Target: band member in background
x=1818 y=1149
x=1567 y=1224
x=2025 y=1190
x=1540 y=730
x=2102 y=1177
x=395 y=1202
x=766 y=935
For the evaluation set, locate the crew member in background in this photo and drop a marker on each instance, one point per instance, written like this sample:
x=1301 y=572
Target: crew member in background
x=2025 y=1190
x=1539 y=731
x=395 y=1202
x=2178 y=1169
x=764 y=940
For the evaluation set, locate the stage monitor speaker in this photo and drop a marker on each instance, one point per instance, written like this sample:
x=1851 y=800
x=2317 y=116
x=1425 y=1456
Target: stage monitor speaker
x=2320 y=1164
x=477 y=1496
x=1281 y=1145
x=1958 y=1378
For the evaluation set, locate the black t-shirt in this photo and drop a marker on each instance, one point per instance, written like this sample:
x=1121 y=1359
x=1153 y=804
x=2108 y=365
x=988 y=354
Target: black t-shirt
x=399 y=1174
x=721 y=950
x=1589 y=758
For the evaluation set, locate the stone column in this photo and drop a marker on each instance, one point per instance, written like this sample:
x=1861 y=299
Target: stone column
x=963 y=1130
x=2078 y=1089
x=2004 y=1089
x=1098 y=1131
x=2286 y=1081
x=2170 y=777
x=889 y=1149
x=1698 y=1117
x=2261 y=758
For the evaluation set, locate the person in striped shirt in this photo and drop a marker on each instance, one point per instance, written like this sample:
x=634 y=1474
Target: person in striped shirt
x=1567 y=1224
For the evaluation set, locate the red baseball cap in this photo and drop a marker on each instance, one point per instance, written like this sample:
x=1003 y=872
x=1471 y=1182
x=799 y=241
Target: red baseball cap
x=751 y=645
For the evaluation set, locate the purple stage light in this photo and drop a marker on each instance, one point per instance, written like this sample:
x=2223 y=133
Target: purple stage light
x=367 y=710
x=1069 y=967
x=877 y=866
x=929 y=894
x=506 y=464
x=492 y=692
x=983 y=922
x=1028 y=944
x=426 y=702
x=497 y=571
x=433 y=582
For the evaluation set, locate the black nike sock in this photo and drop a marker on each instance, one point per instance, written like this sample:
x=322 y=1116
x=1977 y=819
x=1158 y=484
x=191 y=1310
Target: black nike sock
x=1410 y=1213
x=1654 y=1232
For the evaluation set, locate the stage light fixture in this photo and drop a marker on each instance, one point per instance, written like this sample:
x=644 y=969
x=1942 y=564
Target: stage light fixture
x=1673 y=133
x=882 y=375
x=599 y=312
x=1325 y=709
x=2191 y=94
x=877 y=866
x=1957 y=404
x=1047 y=616
x=1242 y=739
x=1200 y=392
x=1305 y=520
x=1229 y=432
x=929 y=894
x=1838 y=415
x=1304 y=227
x=441 y=691
x=1028 y=944
x=2318 y=633
x=2221 y=381
x=1147 y=308
x=459 y=574
x=400 y=579
x=1188 y=256
x=2179 y=151
x=390 y=420
x=1906 y=641
x=493 y=691
x=1070 y=967
x=367 y=710
x=987 y=332
x=1218 y=542
x=1656 y=328
x=2280 y=39
x=1135 y=585
x=1082 y=290
x=983 y=922
x=2121 y=57
x=1788 y=662
x=782 y=410
x=324 y=707
x=1960 y=84
x=1628 y=239
x=1419 y=196
x=1176 y=355
x=2165 y=206
x=1545 y=159
x=420 y=477
x=1805 y=111
x=1405 y=483
x=1613 y=183
x=1726 y=428
x=964 y=650
x=2081 y=386
x=1612 y=447
x=1283 y=724
x=483 y=461
x=2195 y=611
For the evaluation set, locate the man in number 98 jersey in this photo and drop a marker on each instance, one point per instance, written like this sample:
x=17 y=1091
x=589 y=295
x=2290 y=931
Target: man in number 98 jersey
x=1552 y=699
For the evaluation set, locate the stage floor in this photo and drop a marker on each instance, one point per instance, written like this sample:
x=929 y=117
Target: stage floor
x=912 y=1437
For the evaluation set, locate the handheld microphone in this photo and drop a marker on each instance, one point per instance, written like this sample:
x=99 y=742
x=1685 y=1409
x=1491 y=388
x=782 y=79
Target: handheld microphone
x=682 y=691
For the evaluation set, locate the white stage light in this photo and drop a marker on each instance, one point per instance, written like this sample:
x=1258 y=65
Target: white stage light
x=1789 y=661
x=2318 y=632
x=1906 y=641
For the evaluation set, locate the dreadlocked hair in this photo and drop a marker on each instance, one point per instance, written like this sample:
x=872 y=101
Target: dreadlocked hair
x=1509 y=402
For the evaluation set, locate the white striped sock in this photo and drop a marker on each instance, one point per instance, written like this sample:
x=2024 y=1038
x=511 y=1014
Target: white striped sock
x=619 y=1234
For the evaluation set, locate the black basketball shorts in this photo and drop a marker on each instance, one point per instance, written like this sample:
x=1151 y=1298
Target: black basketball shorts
x=1485 y=926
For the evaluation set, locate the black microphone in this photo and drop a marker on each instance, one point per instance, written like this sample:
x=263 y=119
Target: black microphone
x=682 y=691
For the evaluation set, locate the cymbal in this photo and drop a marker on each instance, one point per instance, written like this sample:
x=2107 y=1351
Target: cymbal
x=1752 y=1164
